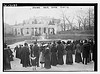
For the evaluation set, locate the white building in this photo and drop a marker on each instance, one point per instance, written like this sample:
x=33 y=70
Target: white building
x=31 y=29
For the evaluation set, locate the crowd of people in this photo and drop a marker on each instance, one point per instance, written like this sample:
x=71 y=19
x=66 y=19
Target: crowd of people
x=51 y=54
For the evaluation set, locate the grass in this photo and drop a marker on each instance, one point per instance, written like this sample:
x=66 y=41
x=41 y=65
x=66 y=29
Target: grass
x=71 y=36
x=75 y=35
x=11 y=40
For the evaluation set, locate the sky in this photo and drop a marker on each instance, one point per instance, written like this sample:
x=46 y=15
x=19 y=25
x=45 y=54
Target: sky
x=14 y=15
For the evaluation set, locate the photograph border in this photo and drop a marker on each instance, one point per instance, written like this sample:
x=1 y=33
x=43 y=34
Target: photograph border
x=56 y=4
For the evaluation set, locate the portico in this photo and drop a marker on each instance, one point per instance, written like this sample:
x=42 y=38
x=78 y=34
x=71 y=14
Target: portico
x=34 y=30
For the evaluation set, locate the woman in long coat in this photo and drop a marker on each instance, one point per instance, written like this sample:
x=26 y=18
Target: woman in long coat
x=78 y=57
x=85 y=52
x=17 y=52
x=6 y=58
x=60 y=50
x=25 y=56
x=69 y=57
x=53 y=55
x=10 y=53
x=47 y=64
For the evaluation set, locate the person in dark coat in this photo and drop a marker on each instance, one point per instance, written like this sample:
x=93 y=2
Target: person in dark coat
x=6 y=58
x=91 y=50
x=53 y=55
x=17 y=52
x=47 y=64
x=69 y=57
x=78 y=57
x=36 y=52
x=11 y=54
x=60 y=50
x=85 y=52
x=25 y=55
x=20 y=50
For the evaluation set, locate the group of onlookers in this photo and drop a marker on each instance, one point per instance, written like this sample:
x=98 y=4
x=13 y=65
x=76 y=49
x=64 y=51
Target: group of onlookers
x=51 y=54
x=7 y=57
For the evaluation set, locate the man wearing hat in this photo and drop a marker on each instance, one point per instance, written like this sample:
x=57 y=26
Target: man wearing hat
x=60 y=50
x=6 y=58
x=85 y=51
x=25 y=55
x=35 y=51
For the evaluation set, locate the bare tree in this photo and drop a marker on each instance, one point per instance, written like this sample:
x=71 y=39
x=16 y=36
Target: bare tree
x=66 y=19
x=82 y=19
x=90 y=17
x=86 y=18
x=70 y=22
x=64 y=24
x=79 y=23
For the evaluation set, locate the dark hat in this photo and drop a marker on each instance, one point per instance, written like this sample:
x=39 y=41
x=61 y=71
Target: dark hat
x=68 y=42
x=59 y=42
x=85 y=41
x=63 y=42
x=35 y=42
x=25 y=44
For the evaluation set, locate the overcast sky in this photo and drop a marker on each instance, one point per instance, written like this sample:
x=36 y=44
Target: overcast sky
x=18 y=14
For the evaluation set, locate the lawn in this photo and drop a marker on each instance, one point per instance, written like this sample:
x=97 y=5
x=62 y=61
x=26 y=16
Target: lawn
x=75 y=35
x=11 y=40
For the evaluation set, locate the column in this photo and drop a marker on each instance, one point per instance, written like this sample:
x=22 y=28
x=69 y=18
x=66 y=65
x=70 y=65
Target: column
x=34 y=31
x=47 y=31
x=42 y=30
x=39 y=30
x=55 y=30
x=22 y=31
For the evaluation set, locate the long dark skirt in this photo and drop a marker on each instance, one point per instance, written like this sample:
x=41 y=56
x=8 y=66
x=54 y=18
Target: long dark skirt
x=78 y=57
x=7 y=64
x=6 y=60
x=17 y=54
x=47 y=64
x=25 y=61
x=53 y=59
x=33 y=62
x=69 y=58
x=60 y=59
x=89 y=59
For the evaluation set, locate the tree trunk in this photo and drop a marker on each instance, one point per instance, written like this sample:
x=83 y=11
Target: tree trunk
x=79 y=25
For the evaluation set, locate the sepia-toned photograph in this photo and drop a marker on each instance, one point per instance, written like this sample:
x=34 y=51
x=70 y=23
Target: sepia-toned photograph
x=49 y=37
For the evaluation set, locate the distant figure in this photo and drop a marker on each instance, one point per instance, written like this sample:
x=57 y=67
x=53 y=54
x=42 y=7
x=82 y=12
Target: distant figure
x=69 y=57
x=60 y=50
x=78 y=57
x=35 y=50
x=11 y=54
x=47 y=64
x=6 y=58
x=85 y=52
x=53 y=55
x=20 y=50
x=25 y=55
x=17 y=52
